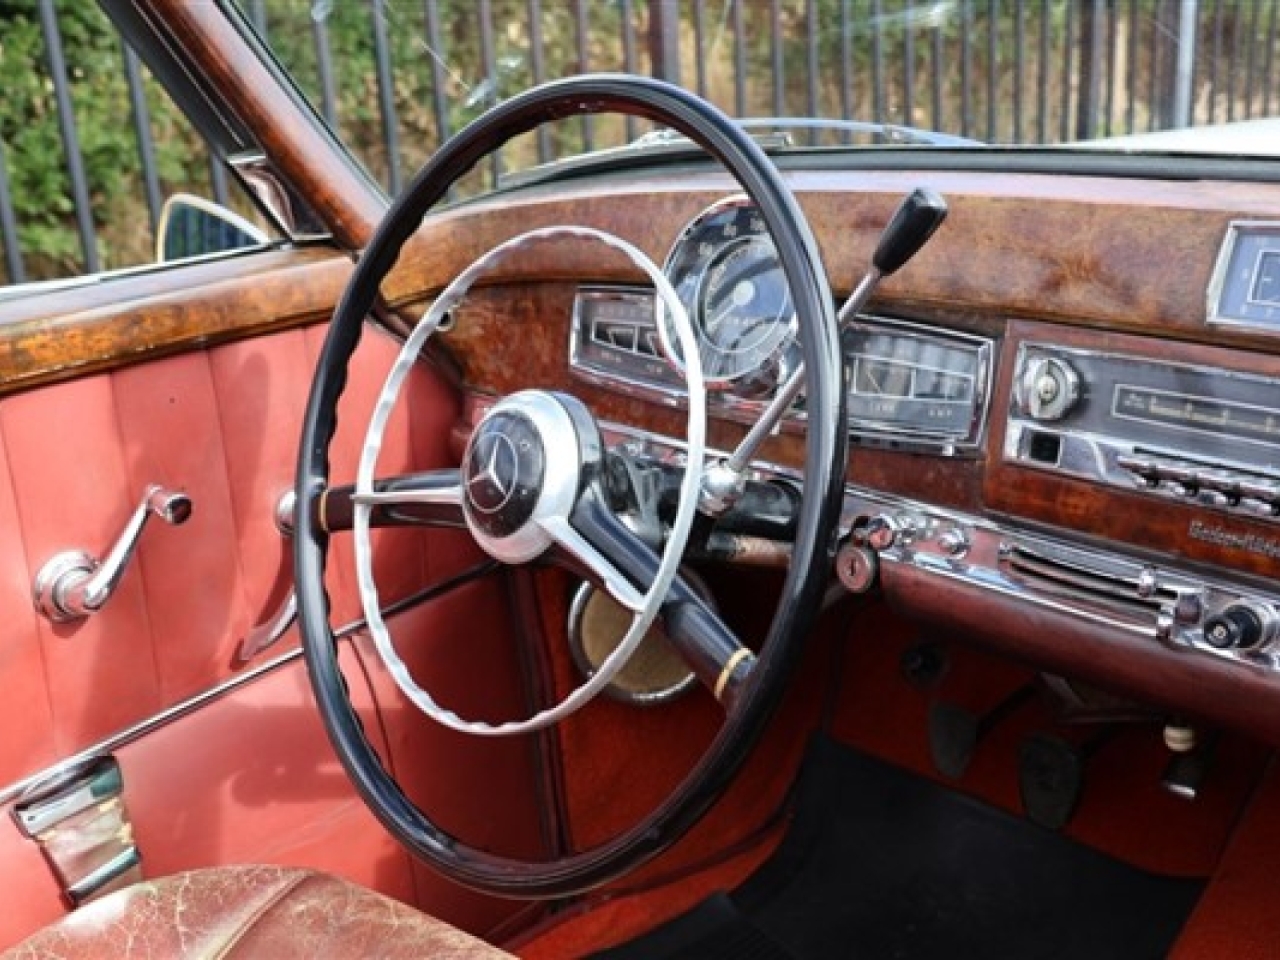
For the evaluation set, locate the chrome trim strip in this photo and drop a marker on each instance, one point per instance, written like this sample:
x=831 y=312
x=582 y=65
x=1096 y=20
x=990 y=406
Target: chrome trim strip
x=126 y=736
x=179 y=710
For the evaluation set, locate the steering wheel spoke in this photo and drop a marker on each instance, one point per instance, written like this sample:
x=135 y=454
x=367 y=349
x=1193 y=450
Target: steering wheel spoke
x=430 y=499
x=707 y=646
x=597 y=565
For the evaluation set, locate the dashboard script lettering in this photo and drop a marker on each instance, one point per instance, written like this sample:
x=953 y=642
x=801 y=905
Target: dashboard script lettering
x=1222 y=537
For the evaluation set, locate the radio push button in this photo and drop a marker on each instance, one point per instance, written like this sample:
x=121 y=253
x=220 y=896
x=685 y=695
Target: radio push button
x=1146 y=472
x=1181 y=478
x=1219 y=488
x=1260 y=496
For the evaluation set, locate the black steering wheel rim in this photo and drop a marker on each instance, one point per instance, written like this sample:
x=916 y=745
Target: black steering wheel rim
x=824 y=474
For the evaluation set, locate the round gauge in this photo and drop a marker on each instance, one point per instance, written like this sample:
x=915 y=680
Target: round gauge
x=726 y=272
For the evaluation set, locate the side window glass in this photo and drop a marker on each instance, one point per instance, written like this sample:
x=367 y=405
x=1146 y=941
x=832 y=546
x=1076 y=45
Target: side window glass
x=396 y=78
x=99 y=170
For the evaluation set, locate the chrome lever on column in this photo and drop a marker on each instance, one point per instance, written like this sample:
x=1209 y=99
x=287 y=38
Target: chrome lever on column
x=73 y=584
x=912 y=224
x=268 y=634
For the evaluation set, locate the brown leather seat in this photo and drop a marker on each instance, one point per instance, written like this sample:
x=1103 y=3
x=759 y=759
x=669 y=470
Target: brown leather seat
x=230 y=912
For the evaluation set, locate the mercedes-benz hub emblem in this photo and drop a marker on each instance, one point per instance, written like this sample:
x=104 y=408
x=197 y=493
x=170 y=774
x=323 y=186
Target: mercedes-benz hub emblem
x=503 y=473
x=492 y=472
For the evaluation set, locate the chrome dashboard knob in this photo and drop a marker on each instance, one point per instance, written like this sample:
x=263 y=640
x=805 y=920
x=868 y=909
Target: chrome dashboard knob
x=882 y=532
x=1241 y=626
x=954 y=542
x=1048 y=388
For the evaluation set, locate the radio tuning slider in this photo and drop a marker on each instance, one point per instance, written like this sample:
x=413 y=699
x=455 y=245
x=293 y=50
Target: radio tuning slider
x=1048 y=388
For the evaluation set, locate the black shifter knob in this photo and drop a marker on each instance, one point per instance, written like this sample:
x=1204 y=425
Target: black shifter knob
x=913 y=223
x=1235 y=626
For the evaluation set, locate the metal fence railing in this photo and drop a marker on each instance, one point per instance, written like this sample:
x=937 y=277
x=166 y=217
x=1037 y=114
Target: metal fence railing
x=80 y=188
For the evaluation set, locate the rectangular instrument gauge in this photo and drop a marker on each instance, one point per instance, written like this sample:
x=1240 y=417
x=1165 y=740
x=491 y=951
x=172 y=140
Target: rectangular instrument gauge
x=615 y=340
x=913 y=385
x=1245 y=288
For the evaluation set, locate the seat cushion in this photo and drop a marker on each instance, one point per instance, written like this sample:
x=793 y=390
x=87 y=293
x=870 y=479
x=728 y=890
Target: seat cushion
x=229 y=912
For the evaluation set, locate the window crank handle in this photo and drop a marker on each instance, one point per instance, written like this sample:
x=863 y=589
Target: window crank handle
x=74 y=584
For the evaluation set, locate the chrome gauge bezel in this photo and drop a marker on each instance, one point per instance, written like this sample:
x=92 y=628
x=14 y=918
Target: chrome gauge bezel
x=771 y=359
x=874 y=431
x=1217 y=312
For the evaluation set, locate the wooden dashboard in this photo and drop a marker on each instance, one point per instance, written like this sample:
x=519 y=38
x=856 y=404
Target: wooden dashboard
x=1091 y=264
x=1077 y=260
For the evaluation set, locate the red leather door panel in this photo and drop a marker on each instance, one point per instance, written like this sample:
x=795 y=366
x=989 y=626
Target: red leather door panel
x=26 y=704
x=249 y=776
x=72 y=489
x=221 y=425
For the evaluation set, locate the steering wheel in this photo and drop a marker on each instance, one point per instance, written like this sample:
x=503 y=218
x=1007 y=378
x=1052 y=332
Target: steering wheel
x=528 y=509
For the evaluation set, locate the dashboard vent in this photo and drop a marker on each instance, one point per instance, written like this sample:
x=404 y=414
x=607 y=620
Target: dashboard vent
x=1124 y=589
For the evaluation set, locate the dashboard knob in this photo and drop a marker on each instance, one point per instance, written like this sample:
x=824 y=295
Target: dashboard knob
x=1148 y=582
x=954 y=542
x=1235 y=627
x=1188 y=609
x=1048 y=388
x=882 y=532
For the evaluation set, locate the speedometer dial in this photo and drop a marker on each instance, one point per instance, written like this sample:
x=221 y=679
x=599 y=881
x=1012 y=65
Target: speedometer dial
x=726 y=272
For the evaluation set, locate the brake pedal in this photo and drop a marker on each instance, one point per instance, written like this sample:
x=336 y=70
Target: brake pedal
x=1050 y=780
x=1051 y=776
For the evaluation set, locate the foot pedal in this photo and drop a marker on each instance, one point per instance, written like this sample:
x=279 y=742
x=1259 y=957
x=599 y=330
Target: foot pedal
x=953 y=736
x=1050 y=780
x=954 y=732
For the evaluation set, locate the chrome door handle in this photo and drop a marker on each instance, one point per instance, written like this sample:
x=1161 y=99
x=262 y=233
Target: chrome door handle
x=73 y=584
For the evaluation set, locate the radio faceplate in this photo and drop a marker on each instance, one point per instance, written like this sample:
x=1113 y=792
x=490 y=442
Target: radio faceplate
x=1199 y=434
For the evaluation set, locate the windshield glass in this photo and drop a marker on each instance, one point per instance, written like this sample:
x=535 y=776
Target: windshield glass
x=395 y=77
